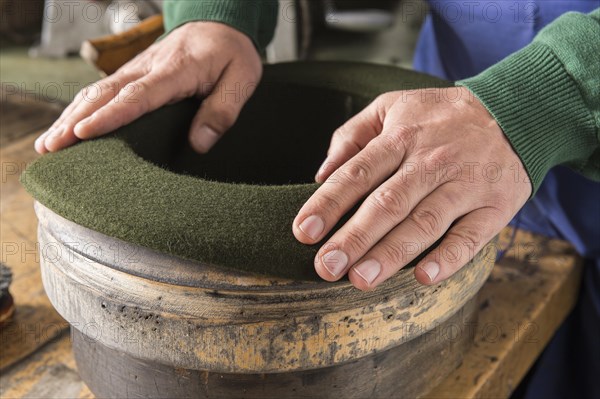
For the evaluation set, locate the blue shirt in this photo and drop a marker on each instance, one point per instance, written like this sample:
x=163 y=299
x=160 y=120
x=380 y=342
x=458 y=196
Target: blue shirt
x=459 y=39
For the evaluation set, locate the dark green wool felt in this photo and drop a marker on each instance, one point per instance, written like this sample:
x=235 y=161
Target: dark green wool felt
x=233 y=207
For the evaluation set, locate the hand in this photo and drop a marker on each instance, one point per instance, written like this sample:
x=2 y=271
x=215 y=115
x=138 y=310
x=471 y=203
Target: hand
x=430 y=163
x=198 y=58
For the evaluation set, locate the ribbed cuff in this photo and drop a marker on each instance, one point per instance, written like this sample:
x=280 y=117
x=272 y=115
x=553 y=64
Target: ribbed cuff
x=255 y=18
x=539 y=108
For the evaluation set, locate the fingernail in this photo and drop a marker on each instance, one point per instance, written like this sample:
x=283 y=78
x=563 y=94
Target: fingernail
x=335 y=261
x=312 y=226
x=368 y=270
x=204 y=138
x=42 y=136
x=38 y=142
x=432 y=269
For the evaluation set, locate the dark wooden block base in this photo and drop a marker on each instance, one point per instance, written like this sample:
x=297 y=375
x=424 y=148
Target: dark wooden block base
x=408 y=370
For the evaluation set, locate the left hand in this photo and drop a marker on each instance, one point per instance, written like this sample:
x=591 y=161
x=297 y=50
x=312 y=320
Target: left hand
x=202 y=58
x=428 y=163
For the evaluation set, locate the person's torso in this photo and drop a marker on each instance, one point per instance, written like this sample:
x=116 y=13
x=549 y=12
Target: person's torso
x=461 y=39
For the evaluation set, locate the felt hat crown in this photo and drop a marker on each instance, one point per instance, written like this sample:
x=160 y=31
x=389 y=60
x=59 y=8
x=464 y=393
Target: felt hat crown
x=234 y=206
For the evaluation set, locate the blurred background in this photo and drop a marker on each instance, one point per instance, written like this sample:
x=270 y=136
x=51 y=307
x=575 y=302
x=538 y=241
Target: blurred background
x=41 y=40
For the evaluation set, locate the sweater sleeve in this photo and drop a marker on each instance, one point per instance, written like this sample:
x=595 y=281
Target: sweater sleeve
x=546 y=97
x=255 y=18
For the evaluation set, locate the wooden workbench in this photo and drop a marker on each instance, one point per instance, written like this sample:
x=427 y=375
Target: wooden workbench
x=528 y=295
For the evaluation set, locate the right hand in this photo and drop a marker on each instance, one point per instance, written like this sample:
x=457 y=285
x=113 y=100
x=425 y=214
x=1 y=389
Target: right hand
x=200 y=58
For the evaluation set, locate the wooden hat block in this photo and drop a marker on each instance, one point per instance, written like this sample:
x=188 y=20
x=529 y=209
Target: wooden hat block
x=147 y=324
x=153 y=315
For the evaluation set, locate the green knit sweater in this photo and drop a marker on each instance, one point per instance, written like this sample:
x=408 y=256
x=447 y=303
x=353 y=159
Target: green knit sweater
x=546 y=97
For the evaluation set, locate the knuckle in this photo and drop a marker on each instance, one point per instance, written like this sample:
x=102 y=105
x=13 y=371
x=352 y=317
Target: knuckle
x=428 y=221
x=407 y=134
x=358 y=240
x=392 y=203
x=137 y=63
x=251 y=69
x=133 y=94
x=224 y=116
x=383 y=98
x=327 y=203
x=440 y=156
x=337 y=134
x=448 y=198
x=341 y=133
x=391 y=143
x=95 y=92
x=393 y=254
x=124 y=71
x=177 y=63
x=106 y=85
x=130 y=88
x=452 y=254
x=497 y=205
x=469 y=236
x=79 y=96
x=381 y=105
x=90 y=93
x=357 y=173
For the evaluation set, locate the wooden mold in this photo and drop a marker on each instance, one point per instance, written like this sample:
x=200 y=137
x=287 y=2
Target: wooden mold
x=153 y=325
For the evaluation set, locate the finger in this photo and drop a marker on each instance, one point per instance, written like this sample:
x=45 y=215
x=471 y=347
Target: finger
x=350 y=138
x=39 y=146
x=221 y=108
x=421 y=229
x=67 y=111
x=40 y=142
x=461 y=244
x=384 y=209
x=133 y=100
x=351 y=182
x=85 y=103
x=59 y=138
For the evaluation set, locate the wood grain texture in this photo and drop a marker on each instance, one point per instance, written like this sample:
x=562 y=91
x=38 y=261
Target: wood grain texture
x=528 y=295
x=35 y=321
x=48 y=373
x=273 y=326
x=19 y=119
x=403 y=371
x=537 y=275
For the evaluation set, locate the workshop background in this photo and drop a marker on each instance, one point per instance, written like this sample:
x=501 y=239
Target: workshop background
x=41 y=70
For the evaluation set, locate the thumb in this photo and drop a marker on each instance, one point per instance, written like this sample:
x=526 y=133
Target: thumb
x=221 y=108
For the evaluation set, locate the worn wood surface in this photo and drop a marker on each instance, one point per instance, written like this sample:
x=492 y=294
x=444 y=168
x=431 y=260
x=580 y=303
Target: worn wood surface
x=404 y=371
x=19 y=119
x=257 y=325
x=526 y=297
x=35 y=321
x=48 y=373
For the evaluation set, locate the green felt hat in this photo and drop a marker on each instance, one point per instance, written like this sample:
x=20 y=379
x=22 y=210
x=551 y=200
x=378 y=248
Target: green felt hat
x=233 y=207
